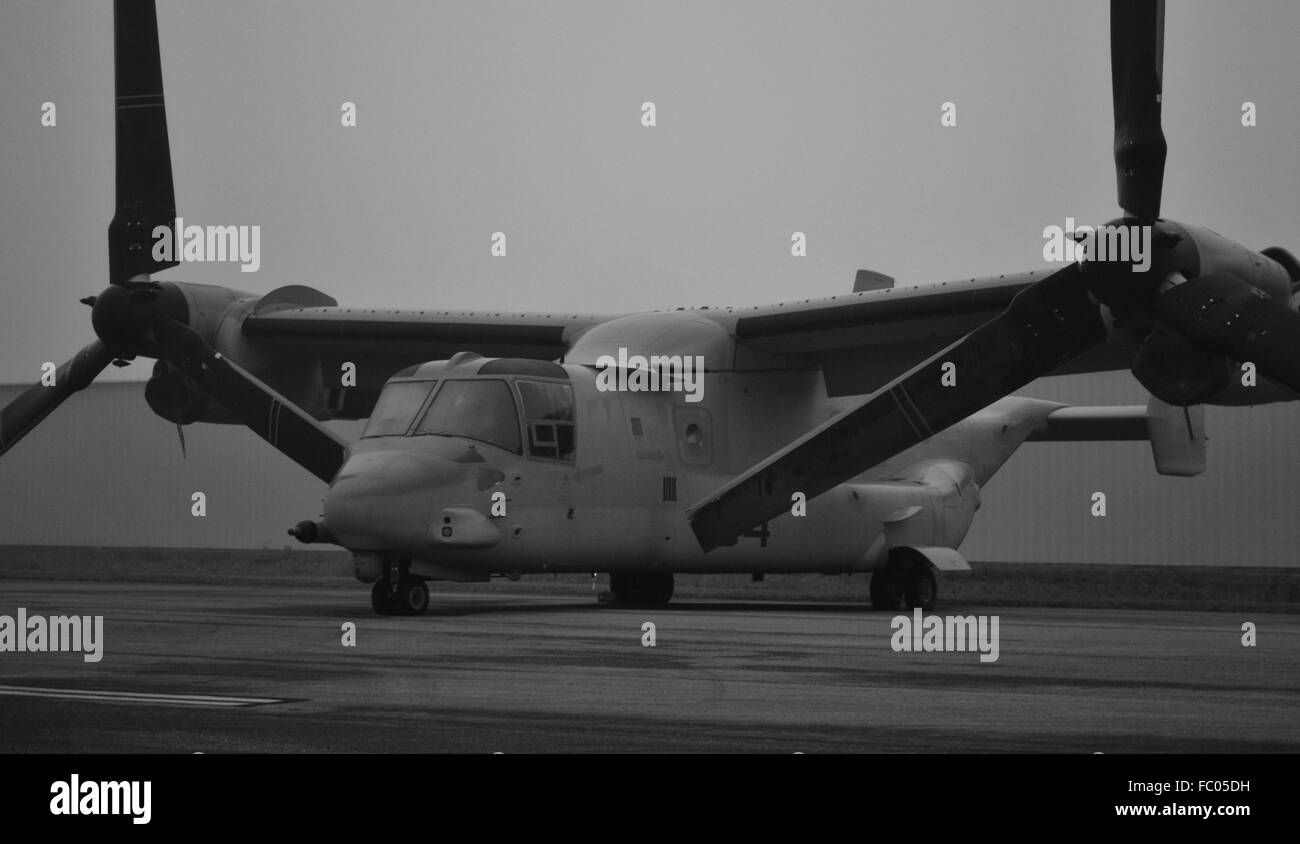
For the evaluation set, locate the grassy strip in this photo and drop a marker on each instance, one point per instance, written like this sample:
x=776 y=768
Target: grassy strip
x=1003 y=584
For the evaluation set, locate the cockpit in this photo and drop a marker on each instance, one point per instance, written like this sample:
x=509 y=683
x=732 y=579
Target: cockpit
x=509 y=404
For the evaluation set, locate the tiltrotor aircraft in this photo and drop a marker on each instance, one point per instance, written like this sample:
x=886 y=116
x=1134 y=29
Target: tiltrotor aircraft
x=846 y=434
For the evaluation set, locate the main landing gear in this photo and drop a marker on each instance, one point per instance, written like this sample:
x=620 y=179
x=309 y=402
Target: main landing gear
x=639 y=589
x=906 y=577
x=399 y=593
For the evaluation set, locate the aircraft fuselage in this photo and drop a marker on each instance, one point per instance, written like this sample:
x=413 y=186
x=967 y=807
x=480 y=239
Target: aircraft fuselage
x=504 y=498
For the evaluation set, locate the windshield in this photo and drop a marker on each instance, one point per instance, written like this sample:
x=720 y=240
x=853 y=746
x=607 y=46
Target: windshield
x=396 y=408
x=479 y=410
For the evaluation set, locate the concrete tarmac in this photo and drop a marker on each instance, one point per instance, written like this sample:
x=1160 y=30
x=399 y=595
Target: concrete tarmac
x=243 y=668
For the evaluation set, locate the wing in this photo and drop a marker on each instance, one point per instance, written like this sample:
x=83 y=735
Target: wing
x=378 y=343
x=862 y=340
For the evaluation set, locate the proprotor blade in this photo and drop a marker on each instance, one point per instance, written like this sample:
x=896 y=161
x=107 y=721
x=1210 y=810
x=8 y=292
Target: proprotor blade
x=145 y=195
x=1045 y=326
x=1137 y=36
x=38 y=401
x=270 y=415
x=1221 y=313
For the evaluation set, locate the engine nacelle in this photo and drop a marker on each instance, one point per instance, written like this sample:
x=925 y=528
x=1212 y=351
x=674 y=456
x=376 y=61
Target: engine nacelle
x=1203 y=251
x=175 y=396
x=1179 y=373
x=217 y=314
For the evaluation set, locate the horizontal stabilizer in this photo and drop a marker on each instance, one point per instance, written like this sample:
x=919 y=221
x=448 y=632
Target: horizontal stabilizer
x=1176 y=434
x=1093 y=424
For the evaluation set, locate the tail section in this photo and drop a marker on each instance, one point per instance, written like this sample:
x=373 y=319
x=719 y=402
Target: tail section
x=1176 y=434
x=987 y=440
x=933 y=490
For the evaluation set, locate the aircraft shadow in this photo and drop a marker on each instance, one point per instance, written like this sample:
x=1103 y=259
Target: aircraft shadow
x=440 y=607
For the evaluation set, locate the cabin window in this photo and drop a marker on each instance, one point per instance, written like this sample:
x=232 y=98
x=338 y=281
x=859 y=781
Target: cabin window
x=480 y=410
x=548 y=418
x=693 y=441
x=396 y=408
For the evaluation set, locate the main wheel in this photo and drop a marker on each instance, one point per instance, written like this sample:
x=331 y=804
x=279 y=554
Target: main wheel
x=412 y=596
x=920 y=586
x=659 y=589
x=620 y=588
x=641 y=588
x=886 y=589
x=381 y=597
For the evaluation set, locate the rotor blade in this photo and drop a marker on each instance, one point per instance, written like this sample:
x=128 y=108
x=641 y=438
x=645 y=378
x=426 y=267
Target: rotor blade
x=271 y=416
x=38 y=401
x=1137 y=44
x=1224 y=314
x=145 y=195
x=1044 y=326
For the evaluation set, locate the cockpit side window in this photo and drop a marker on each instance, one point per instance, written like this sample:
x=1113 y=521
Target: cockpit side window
x=481 y=410
x=548 y=418
x=396 y=408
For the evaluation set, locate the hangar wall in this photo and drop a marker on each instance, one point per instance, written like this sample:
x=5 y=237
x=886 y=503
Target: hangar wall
x=103 y=470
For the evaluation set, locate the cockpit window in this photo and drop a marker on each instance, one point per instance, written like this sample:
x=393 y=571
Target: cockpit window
x=397 y=407
x=480 y=410
x=548 y=417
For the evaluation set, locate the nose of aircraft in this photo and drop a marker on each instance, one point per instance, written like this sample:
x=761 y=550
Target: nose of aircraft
x=393 y=472
x=386 y=499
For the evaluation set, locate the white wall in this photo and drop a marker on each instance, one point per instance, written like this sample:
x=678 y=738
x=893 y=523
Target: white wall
x=104 y=470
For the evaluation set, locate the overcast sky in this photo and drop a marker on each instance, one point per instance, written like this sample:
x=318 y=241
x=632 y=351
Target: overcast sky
x=773 y=117
x=476 y=117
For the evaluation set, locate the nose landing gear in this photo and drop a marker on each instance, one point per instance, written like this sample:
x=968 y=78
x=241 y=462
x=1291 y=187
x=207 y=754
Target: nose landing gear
x=399 y=593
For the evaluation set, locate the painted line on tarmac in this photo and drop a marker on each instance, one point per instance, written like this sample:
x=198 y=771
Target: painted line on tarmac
x=104 y=696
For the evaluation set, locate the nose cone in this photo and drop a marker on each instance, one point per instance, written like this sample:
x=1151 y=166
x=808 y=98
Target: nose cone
x=386 y=499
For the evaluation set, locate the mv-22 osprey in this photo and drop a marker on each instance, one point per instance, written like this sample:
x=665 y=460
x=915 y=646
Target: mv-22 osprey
x=494 y=449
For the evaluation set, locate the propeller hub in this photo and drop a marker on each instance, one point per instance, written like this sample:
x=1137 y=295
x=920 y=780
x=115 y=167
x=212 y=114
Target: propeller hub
x=1130 y=262
x=124 y=313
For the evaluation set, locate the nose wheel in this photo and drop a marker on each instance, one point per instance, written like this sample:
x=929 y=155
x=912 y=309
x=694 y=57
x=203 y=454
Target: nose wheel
x=411 y=597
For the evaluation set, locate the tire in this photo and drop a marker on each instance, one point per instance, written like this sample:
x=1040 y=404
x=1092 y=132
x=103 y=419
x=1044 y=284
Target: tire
x=620 y=588
x=886 y=589
x=658 y=589
x=412 y=596
x=641 y=589
x=921 y=589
